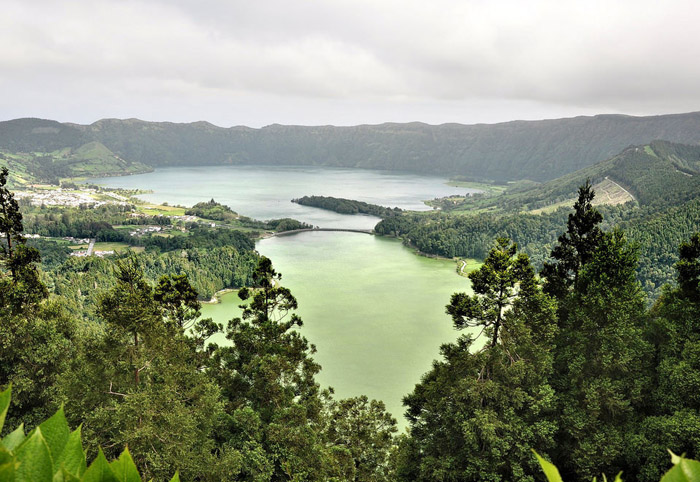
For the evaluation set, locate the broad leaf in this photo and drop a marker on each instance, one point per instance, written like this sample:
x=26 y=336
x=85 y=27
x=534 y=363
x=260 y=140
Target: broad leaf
x=550 y=471
x=5 y=456
x=684 y=471
x=99 y=471
x=34 y=460
x=55 y=431
x=13 y=439
x=64 y=476
x=125 y=468
x=176 y=477
x=72 y=459
x=7 y=471
x=4 y=405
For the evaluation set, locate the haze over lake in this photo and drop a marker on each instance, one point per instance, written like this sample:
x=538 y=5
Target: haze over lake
x=374 y=309
x=265 y=192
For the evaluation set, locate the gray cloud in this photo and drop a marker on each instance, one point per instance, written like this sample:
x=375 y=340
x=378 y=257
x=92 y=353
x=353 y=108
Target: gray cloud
x=346 y=61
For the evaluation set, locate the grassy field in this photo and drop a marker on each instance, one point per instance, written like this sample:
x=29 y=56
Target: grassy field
x=158 y=209
x=118 y=247
x=482 y=186
x=466 y=266
x=111 y=247
x=607 y=192
x=552 y=207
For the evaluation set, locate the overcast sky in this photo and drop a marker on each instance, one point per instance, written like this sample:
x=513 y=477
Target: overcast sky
x=346 y=62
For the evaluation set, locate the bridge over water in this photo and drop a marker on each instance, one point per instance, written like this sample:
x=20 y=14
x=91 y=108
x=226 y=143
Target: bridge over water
x=295 y=231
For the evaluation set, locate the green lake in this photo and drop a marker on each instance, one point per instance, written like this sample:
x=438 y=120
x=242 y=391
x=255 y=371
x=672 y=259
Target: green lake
x=374 y=309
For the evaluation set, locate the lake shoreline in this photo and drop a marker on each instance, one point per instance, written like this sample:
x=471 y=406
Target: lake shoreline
x=460 y=268
x=216 y=297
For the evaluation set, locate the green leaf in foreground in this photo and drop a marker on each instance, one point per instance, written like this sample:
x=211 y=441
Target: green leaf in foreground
x=7 y=471
x=13 y=439
x=72 y=459
x=549 y=469
x=55 y=431
x=684 y=470
x=99 y=470
x=125 y=469
x=4 y=405
x=35 y=460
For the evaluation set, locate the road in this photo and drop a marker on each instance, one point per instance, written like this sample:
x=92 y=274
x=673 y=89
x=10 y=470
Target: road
x=284 y=233
x=91 y=246
x=628 y=193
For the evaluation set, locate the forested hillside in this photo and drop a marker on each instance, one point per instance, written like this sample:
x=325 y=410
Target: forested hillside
x=587 y=349
x=570 y=363
x=136 y=367
x=537 y=150
x=575 y=367
x=659 y=174
x=662 y=177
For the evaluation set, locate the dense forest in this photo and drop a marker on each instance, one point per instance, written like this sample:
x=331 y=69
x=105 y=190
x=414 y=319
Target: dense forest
x=214 y=258
x=347 y=206
x=536 y=150
x=585 y=353
x=139 y=372
x=212 y=210
x=663 y=177
x=573 y=363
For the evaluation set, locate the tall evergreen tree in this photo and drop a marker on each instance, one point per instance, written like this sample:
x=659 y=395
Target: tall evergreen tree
x=477 y=413
x=365 y=430
x=603 y=363
x=674 y=420
x=137 y=382
x=688 y=268
x=495 y=286
x=576 y=245
x=601 y=357
x=274 y=407
x=36 y=336
x=20 y=287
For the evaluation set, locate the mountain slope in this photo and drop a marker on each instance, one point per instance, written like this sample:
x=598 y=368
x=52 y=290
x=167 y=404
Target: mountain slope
x=537 y=150
x=39 y=135
x=660 y=173
x=92 y=159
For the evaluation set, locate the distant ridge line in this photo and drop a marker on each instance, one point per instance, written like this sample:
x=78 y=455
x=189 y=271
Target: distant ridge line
x=538 y=150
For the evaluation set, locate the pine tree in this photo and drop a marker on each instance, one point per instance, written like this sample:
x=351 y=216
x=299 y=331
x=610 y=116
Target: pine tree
x=477 y=413
x=602 y=361
x=576 y=246
x=138 y=383
x=36 y=336
x=673 y=422
x=274 y=406
x=20 y=286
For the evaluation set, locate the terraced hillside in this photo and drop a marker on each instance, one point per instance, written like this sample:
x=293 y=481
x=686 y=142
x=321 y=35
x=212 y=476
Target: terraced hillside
x=660 y=173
